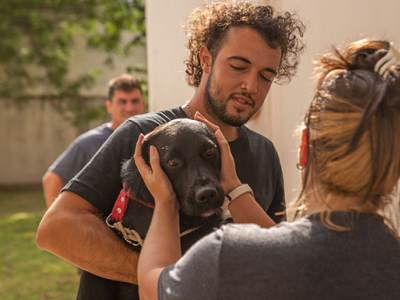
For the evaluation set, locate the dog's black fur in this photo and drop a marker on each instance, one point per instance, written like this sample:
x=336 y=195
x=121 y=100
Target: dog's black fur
x=190 y=157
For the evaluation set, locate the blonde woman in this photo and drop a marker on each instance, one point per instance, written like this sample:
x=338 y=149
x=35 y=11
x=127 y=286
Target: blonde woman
x=340 y=245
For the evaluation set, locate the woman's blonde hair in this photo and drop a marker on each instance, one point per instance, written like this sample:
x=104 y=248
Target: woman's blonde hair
x=353 y=124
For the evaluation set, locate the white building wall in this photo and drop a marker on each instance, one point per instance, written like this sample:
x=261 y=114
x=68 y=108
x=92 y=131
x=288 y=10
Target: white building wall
x=166 y=52
x=328 y=23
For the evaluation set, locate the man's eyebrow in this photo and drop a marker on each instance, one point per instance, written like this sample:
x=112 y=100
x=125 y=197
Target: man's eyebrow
x=249 y=62
x=239 y=58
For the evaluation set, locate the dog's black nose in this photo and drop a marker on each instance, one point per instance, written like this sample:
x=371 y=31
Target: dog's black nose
x=206 y=194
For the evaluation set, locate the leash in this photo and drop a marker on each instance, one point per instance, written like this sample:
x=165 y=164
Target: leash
x=132 y=236
x=114 y=220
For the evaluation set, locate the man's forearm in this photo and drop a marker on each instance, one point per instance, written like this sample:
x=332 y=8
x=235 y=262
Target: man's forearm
x=52 y=185
x=71 y=230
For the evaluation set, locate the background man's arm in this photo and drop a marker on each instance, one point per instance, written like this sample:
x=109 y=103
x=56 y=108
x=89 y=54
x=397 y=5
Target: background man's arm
x=52 y=185
x=72 y=230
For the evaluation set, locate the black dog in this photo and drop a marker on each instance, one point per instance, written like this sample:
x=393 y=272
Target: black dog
x=190 y=157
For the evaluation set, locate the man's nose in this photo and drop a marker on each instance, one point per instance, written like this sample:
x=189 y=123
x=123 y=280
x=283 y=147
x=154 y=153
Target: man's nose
x=130 y=107
x=250 y=83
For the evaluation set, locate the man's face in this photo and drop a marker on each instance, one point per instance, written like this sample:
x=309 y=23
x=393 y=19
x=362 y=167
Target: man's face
x=124 y=105
x=241 y=76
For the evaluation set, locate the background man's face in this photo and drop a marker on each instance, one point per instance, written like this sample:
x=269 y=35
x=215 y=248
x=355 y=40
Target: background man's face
x=124 y=105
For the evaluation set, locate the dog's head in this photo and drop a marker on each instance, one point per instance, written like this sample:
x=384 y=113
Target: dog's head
x=189 y=155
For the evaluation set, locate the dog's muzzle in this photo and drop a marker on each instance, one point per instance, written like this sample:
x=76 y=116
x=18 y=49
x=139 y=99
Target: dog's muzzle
x=204 y=200
x=206 y=195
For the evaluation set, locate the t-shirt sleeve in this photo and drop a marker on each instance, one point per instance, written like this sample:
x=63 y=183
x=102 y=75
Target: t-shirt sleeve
x=99 y=182
x=70 y=162
x=195 y=275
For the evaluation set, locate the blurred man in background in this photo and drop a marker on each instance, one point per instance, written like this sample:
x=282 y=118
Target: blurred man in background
x=125 y=99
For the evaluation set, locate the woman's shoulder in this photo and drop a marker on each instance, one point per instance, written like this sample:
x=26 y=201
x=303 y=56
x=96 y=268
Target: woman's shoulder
x=283 y=232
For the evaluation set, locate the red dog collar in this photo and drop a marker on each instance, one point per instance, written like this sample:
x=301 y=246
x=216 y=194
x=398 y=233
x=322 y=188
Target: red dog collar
x=122 y=203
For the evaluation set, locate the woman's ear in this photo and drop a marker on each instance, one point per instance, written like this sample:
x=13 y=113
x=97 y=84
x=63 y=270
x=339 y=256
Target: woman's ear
x=205 y=59
x=303 y=149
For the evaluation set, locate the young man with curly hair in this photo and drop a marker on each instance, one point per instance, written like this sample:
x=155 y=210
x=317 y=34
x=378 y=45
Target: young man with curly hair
x=236 y=51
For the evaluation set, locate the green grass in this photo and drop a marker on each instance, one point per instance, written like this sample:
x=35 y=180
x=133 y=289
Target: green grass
x=26 y=272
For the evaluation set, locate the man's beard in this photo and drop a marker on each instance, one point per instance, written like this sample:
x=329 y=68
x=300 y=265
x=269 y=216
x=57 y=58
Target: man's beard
x=217 y=106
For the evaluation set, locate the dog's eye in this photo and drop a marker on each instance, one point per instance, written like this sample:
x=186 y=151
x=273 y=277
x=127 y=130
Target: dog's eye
x=210 y=151
x=172 y=162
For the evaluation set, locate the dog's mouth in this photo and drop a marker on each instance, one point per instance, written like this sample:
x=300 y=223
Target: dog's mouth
x=204 y=210
x=210 y=213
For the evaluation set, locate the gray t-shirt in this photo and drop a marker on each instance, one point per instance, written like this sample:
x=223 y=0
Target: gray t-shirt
x=298 y=260
x=79 y=153
x=257 y=163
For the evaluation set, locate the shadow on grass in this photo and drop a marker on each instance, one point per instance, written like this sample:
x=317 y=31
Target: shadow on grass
x=26 y=272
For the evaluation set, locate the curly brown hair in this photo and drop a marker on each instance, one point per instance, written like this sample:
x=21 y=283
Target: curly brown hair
x=208 y=25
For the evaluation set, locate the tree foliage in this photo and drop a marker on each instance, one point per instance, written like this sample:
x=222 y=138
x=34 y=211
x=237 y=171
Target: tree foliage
x=37 y=40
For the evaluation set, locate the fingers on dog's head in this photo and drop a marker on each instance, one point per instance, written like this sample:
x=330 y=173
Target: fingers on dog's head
x=222 y=142
x=154 y=158
x=138 y=150
x=199 y=117
x=145 y=149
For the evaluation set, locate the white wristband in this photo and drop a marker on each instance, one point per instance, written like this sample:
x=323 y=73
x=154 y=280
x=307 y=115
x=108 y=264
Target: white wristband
x=245 y=188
